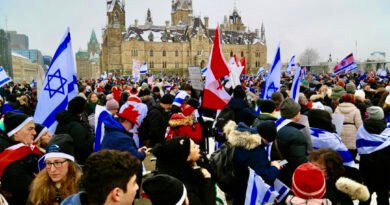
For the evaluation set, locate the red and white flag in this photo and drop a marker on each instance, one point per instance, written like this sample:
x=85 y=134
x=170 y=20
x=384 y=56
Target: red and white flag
x=243 y=63
x=15 y=153
x=214 y=96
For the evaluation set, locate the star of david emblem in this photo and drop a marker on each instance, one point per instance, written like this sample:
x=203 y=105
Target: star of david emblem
x=55 y=84
x=271 y=89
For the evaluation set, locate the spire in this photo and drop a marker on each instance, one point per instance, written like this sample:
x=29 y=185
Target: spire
x=149 y=20
x=93 y=37
x=262 y=37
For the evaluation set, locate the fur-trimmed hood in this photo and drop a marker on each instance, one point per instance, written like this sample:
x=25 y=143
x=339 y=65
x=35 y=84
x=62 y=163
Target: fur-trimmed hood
x=354 y=189
x=187 y=120
x=241 y=139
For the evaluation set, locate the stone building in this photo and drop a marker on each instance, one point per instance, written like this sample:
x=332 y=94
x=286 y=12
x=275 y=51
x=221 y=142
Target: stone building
x=6 y=52
x=184 y=41
x=87 y=62
x=23 y=68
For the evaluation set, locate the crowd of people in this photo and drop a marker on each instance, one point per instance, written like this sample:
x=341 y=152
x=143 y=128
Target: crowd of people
x=164 y=118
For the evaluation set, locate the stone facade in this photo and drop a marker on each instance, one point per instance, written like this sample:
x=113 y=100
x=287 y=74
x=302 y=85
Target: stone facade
x=23 y=68
x=88 y=61
x=172 y=48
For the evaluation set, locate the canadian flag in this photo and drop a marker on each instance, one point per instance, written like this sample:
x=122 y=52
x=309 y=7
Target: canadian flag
x=243 y=63
x=214 y=96
x=15 y=153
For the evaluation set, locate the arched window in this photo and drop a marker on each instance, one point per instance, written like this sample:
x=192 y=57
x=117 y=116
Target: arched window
x=164 y=53
x=231 y=54
x=164 y=64
x=176 y=53
x=151 y=53
x=242 y=53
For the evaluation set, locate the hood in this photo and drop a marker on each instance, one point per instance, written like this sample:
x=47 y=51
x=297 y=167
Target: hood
x=241 y=139
x=374 y=126
x=75 y=199
x=111 y=123
x=64 y=116
x=354 y=189
x=188 y=120
x=346 y=108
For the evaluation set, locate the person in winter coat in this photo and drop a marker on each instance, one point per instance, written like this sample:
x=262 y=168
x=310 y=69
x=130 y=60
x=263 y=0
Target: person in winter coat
x=386 y=109
x=242 y=111
x=18 y=157
x=158 y=117
x=375 y=167
x=290 y=143
x=352 y=121
x=42 y=138
x=69 y=122
x=60 y=176
x=331 y=163
x=177 y=157
x=183 y=124
x=250 y=152
x=109 y=178
x=267 y=107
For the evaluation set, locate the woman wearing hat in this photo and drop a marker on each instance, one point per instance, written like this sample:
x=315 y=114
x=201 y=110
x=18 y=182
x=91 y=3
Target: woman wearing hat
x=60 y=176
x=178 y=158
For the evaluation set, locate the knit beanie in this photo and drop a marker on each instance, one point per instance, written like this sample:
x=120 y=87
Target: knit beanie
x=337 y=92
x=165 y=190
x=348 y=98
x=111 y=103
x=40 y=130
x=13 y=122
x=76 y=105
x=289 y=108
x=351 y=88
x=62 y=146
x=267 y=130
x=174 y=150
x=308 y=182
x=187 y=109
x=375 y=113
x=167 y=99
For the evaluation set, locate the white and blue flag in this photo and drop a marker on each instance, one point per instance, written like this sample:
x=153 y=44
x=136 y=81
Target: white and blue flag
x=143 y=69
x=324 y=139
x=260 y=71
x=367 y=143
x=204 y=70
x=4 y=78
x=295 y=89
x=100 y=114
x=59 y=87
x=272 y=83
x=291 y=65
x=180 y=97
x=259 y=192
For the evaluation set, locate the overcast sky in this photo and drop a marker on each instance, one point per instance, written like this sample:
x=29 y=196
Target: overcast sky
x=328 y=26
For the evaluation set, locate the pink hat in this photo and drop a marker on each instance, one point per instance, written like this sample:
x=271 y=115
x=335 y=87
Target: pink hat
x=111 y=103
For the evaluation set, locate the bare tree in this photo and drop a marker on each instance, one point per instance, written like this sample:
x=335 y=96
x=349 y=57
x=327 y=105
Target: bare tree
x=309 y=57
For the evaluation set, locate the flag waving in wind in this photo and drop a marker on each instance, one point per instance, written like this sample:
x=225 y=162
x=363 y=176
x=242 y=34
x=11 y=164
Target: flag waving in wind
x=272 y=83
x=348 y=63
x=215 y=96
x=296 y=85
x=143 y=69
x=291 y=65
x=4 y=79
x=59 y=87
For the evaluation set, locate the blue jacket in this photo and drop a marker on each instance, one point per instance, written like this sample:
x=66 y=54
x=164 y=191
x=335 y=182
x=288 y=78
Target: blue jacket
x=118 y=138
x=76 y=199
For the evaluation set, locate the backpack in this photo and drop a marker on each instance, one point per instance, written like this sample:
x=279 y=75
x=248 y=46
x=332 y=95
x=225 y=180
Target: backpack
x=222 y=168
x=222 y=119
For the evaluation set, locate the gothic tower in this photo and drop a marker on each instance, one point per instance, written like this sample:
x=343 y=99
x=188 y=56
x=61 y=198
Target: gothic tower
x=112 y=37
x=93 y=44
x=181 y=12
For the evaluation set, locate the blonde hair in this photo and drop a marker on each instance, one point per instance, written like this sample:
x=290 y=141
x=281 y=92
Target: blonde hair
x=43 y=190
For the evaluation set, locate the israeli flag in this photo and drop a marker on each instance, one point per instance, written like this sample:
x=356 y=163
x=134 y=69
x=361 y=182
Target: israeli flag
x=143 y=69
x=260 y=71
x=291 y=65
x=4 y=78
x=204 y=70
x=296 y=84
x=273 y=80
x=367 y=143
x=100 y=114
x=59 y=87
x=180 y=97
x=259 y=192
x=352 y=67
x=324 y=139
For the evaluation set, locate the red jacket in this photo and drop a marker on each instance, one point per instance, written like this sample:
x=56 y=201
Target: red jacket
x=184 y=127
